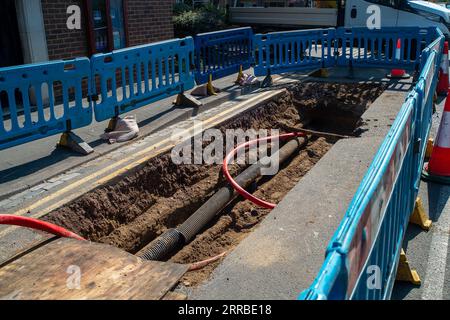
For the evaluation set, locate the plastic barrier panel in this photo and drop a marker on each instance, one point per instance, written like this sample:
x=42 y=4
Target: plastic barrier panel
x=378 y=48
x=425 y=89
x=221 y=53
x=279 y=52
x=367 y=244
x=40 y=100
x=130 y=78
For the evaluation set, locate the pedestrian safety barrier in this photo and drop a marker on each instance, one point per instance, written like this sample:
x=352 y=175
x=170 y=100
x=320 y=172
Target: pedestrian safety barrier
x=369 y=239
x=222 y=53
x=143 y=75
x=279 y=52
x=29 y=108
x=130 y=78
x=363 y=47
x=294 y=50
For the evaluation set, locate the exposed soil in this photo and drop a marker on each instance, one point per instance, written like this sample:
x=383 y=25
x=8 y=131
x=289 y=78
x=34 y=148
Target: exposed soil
x=133 y=210
x=242 y=217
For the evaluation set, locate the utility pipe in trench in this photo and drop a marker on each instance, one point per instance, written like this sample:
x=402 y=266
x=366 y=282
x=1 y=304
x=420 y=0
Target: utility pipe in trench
x=174 y=239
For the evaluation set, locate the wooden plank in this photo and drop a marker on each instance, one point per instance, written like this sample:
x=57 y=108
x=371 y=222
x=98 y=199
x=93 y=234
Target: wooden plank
x=105 y=272
x=175 y=296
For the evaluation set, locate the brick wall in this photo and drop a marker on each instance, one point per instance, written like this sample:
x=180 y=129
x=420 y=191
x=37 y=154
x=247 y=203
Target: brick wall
x=148 y=21
x=63 y=43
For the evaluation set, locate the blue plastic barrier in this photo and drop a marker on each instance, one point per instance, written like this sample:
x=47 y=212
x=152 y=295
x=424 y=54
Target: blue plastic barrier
x=221 y=53
x=29 y=106
x=294 y=50
x=377 y=48
x=133 y=77
x=369 y=239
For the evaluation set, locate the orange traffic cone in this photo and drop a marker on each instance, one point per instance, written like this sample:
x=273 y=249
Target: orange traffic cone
x=442 y=88
x=438 y=169
x=398 y=73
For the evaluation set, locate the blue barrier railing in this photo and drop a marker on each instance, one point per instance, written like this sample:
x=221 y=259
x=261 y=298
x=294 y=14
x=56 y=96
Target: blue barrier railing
x=222 y=53
x=377 y=48
x=130 y=78
x=293 y=51
x=29 y=108
x=370 y=236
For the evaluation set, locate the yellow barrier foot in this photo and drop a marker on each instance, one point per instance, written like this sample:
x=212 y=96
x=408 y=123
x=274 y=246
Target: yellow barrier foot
x=184 y=99
x=419 y=216
x=212 y=91
x=71 y=141
x=111 y=125
x=430 y=144
x=240 y=75
x=405 y=273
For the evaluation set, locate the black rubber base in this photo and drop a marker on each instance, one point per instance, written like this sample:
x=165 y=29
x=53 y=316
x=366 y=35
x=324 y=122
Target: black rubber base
x=436 y=179
x=405 y=76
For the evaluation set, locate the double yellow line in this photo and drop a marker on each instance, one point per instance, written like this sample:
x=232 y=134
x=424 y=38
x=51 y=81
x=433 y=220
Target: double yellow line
x=145 y=154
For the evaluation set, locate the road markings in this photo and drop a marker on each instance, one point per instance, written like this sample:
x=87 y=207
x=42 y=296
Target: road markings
x=433 y=287
x=145 y=154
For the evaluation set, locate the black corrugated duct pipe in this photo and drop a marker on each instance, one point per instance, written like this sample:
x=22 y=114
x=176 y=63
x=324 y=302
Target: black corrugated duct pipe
x=174 y=239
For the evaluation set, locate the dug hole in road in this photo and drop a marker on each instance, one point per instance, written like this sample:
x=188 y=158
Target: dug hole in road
x=134 y=209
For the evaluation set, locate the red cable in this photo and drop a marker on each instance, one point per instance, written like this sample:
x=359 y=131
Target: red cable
x=236 y=186
x=201 y=264
x=35 y=224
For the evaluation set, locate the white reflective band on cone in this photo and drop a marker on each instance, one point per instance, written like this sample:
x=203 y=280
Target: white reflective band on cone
x=445 y=64
x=397 y=54
x=443 y=139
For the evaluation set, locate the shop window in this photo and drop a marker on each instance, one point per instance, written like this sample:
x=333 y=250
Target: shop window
x=107 y=25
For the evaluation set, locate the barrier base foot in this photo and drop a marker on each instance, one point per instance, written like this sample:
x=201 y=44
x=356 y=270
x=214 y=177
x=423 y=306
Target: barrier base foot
x=210 y=89
x=429 y=150
x=419 y=216
x=205 y=90
x=404 y=271
x=395 y=77
x=71 y=141
x=184 y=99
x=111 y=124
x=267 y=82
x=240 y=75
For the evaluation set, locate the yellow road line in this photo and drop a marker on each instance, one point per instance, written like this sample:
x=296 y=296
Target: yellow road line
x=218 y=118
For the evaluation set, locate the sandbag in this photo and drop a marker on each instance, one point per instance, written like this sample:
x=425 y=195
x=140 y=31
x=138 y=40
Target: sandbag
x=125 y=130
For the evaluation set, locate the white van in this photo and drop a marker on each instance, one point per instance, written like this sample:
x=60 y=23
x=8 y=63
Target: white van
x=333 y=13
x=399 y=13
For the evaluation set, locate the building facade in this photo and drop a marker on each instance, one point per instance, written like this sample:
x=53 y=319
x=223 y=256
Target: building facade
x=37 y=30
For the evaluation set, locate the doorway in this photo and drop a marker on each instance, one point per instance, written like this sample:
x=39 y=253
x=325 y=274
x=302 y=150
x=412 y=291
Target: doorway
x=10 y=45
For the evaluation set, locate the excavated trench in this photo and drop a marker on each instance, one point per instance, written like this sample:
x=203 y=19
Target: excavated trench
x=132 y=211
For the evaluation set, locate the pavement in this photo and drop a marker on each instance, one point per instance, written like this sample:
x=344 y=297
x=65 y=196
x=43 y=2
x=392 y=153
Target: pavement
x=29 y=164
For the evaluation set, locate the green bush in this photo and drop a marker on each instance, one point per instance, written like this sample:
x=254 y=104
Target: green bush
x=179 y=8
x=205 y=19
